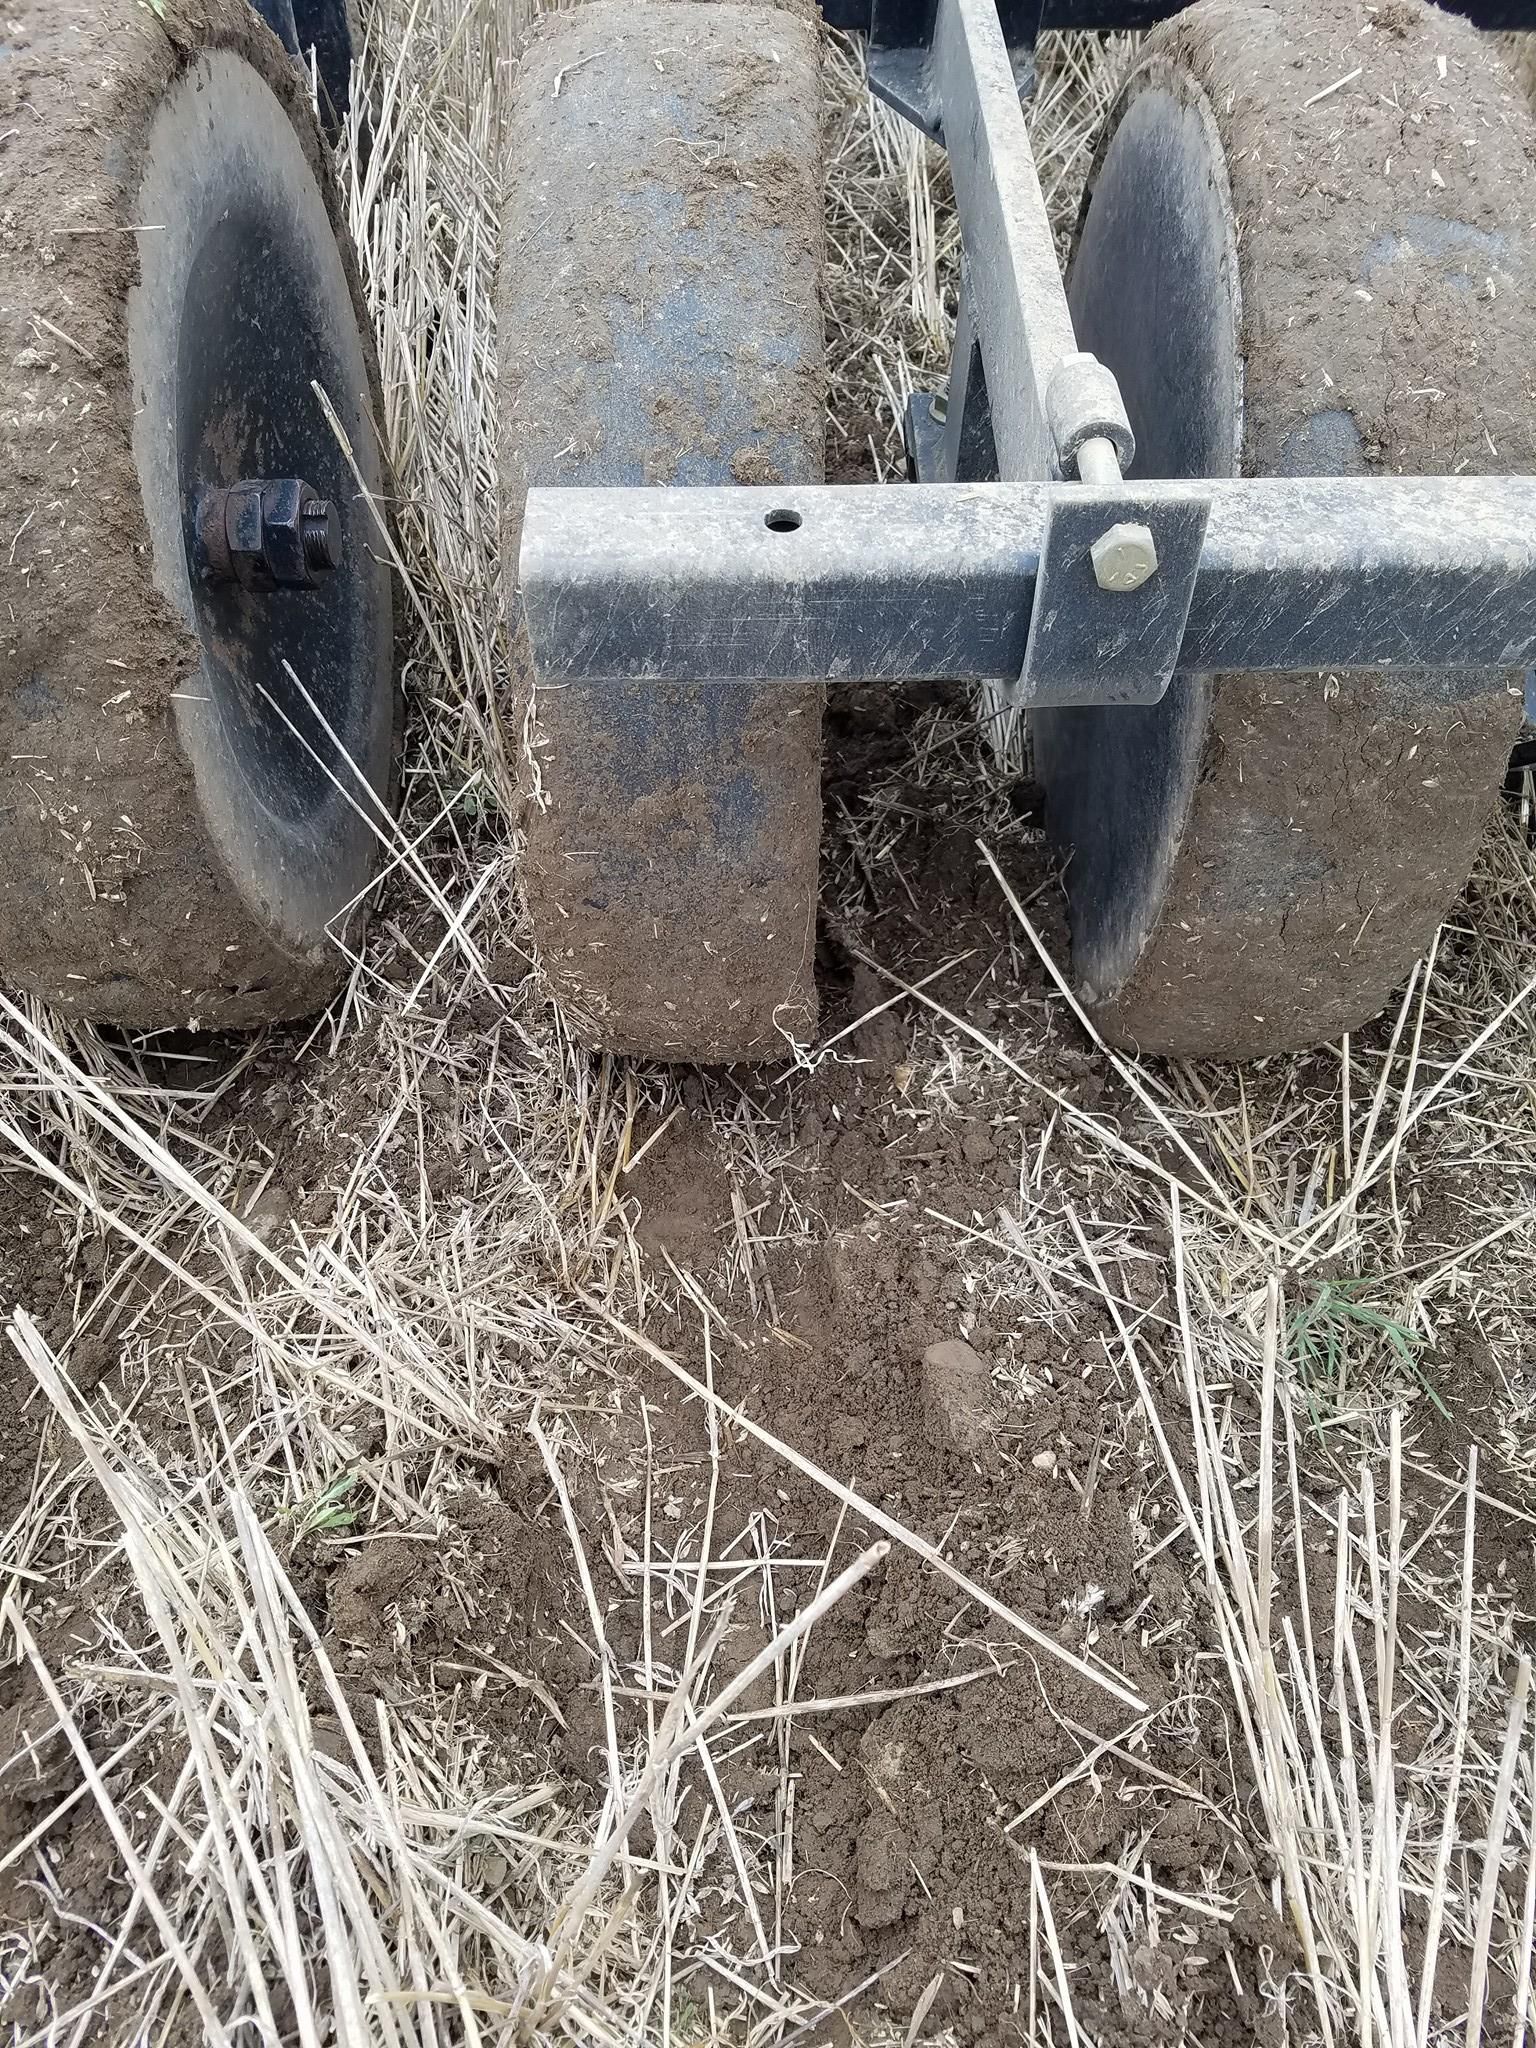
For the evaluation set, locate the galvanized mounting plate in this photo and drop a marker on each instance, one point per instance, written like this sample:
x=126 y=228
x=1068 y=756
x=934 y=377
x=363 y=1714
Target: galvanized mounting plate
x=1089 y=645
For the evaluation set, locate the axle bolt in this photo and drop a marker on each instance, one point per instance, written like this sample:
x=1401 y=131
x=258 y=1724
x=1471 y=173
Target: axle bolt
x=266 y=534
x=1124 y=557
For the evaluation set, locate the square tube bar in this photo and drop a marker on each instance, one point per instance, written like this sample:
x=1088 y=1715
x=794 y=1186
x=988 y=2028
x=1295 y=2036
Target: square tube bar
x=931 y=582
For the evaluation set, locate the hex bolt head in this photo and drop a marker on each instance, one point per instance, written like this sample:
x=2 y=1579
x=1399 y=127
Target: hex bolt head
x=1124 y=557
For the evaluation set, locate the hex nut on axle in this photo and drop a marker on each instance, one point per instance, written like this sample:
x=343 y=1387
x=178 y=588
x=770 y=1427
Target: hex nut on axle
x=267 y=534
x=1124 y=557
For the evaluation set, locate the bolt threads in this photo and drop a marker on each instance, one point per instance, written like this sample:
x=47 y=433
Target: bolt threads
x=318 y=525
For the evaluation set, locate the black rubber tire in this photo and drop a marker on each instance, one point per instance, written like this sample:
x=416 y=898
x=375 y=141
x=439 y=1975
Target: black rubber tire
x=1282 y=255
x=661 y=322
x=172 y=854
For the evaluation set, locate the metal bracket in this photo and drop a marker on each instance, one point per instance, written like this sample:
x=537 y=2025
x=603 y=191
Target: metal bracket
x=900 y=54
x=1088 y=644
x=923 y=432
x=950 y=439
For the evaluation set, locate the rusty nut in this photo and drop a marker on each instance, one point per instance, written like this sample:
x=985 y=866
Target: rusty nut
x=284 y=502
x=267 y=534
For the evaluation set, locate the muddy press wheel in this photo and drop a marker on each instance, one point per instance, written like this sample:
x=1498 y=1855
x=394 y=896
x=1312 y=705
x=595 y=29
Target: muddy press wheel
x=661 y=322
x=184 y=825
x=1304 y=250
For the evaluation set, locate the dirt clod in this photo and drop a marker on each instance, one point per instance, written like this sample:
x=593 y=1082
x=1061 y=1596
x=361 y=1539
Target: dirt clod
x=957 y=1394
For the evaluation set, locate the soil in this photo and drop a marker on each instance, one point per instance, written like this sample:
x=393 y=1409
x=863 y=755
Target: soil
x=1003 y=1435
x=1007 y=1439
x=1382 y=167
x=35 y=1274
x=1006 y=1442
x=661 y=322
x=113 y=902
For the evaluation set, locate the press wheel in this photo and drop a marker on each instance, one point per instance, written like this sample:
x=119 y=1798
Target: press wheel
x=661 y=323
x=1304 y=250
x=185 y=832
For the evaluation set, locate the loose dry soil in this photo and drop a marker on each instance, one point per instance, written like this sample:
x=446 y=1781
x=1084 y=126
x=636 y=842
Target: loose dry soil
x=1007 y=1438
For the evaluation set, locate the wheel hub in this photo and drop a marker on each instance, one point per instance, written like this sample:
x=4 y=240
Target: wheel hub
x=265 y=535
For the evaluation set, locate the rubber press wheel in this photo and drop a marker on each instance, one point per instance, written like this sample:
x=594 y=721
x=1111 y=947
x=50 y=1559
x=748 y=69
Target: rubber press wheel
x=1305 y=250
x=193 y=773
x=661 y=323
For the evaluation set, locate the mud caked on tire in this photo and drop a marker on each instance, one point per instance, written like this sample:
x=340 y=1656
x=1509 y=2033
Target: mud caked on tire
x=1306 y=249
x=661 y=323
x=193 y=775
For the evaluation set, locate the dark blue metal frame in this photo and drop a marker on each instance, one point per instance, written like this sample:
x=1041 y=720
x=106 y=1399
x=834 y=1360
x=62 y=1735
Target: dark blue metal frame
x=324 y=28
x=900 y=35
x=908 y=24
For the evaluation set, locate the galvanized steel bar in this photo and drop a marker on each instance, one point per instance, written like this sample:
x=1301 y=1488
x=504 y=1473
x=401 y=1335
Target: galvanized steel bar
x=1020 y=304
x=932 y=582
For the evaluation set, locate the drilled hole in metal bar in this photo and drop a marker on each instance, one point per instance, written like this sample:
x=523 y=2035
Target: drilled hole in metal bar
x=783 y=521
